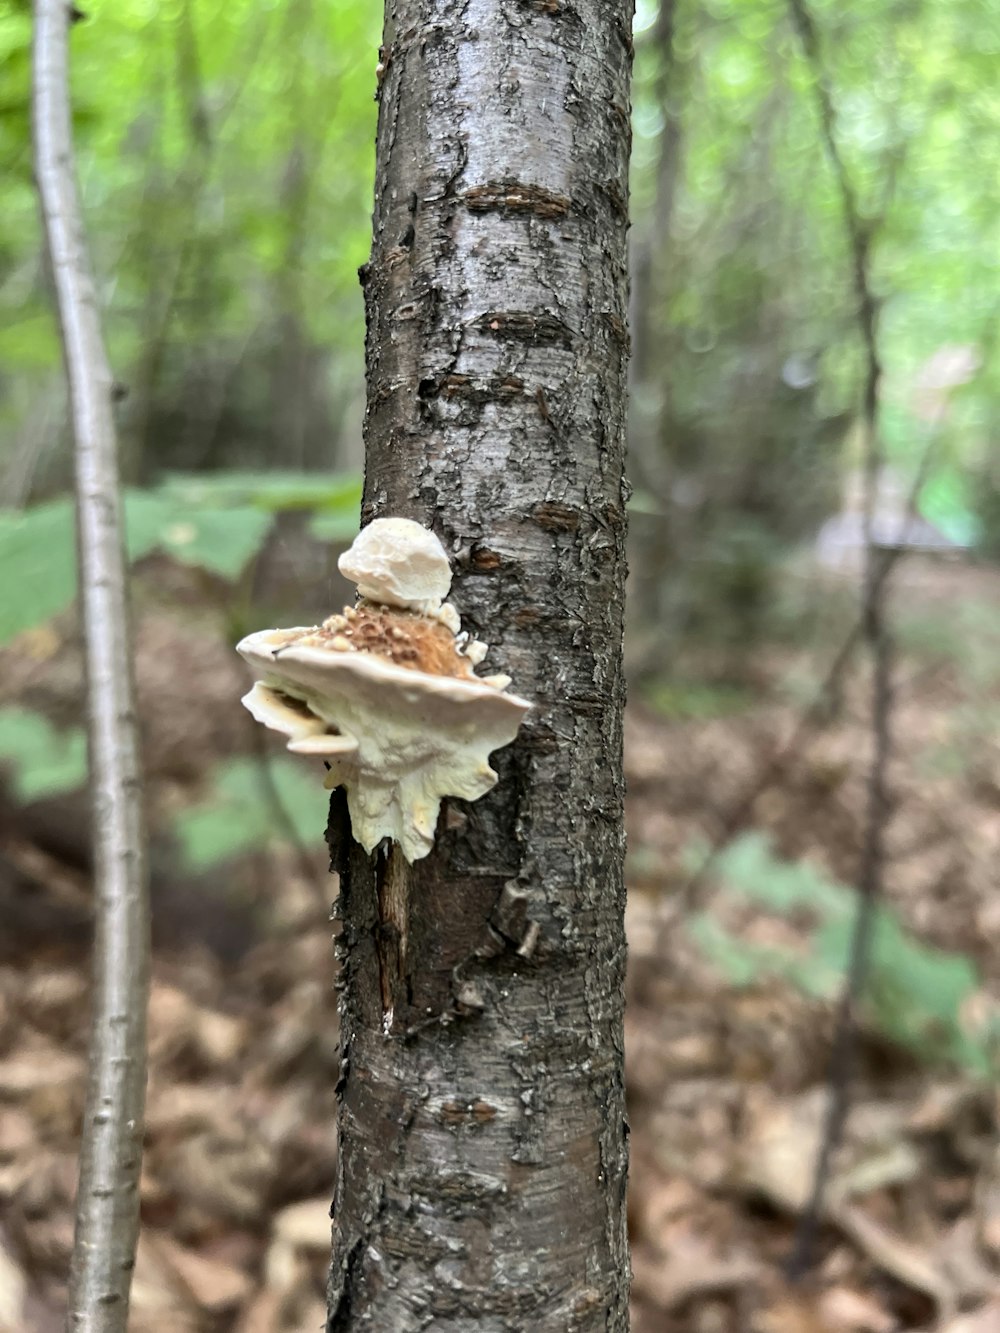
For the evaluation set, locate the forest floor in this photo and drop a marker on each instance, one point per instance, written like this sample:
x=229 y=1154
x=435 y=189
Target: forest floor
x=726 y=1073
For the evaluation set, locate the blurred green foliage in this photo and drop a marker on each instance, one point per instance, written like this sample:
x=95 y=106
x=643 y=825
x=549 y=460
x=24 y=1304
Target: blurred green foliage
x=216 y=524
x=249 y=803
x=917 y=996
x=226 y=158
x=748 y=360
x=694 y=700
x=225 y=155
x=41 y=760
x=962 y=635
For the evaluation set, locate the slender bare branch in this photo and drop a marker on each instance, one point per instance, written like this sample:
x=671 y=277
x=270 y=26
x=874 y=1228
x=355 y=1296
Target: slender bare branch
x=784 y=754
x=877 y=634
x=107 y=1198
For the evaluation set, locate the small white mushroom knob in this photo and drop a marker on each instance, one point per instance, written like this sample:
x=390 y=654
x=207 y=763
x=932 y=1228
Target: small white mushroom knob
x=397 y=562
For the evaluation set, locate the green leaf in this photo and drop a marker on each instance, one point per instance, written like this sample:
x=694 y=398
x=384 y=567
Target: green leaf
x=750 y=866
x=692 y=699
x=215 y=523
x=916 y=995
x=219 y=540
x=45 y=761
x=274 y=491
x=329 y=526
x=746 y=964
x=249 y=805
x=38 y=565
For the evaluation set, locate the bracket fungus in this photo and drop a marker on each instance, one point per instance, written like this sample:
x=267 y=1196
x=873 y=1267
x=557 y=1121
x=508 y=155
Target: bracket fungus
x=385 y=691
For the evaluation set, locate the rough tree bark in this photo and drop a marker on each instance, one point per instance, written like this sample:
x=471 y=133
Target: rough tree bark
x=482 y=1129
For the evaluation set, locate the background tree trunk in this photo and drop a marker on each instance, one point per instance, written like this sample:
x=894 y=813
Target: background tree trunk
x=483 y=1139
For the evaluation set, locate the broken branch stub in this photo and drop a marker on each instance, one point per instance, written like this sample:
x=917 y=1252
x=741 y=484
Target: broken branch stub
x=386 y=692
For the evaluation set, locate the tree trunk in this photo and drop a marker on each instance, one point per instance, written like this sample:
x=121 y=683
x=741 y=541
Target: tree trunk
x=655 y=536
x=482 y=1129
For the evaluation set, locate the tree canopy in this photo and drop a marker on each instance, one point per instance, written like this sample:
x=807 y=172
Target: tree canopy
x=226 y=163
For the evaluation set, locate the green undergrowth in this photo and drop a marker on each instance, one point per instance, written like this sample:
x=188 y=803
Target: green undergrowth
x=41 y=760
x=249 y=803
x=695 y=701
x=917 y=996
x=213 y=523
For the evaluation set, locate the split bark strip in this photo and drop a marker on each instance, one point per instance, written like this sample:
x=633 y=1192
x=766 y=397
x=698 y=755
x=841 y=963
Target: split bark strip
x=877 y=635
x=107 y=1198
x=482 y=1163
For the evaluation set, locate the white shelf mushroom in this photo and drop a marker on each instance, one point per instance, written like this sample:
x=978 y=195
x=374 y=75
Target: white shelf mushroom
x=386 y=691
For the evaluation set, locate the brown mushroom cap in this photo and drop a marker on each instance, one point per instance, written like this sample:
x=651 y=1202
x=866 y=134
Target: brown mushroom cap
x=405 y=638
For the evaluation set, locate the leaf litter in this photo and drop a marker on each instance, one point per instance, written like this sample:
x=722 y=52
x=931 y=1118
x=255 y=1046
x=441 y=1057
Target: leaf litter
x=726 y=1081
